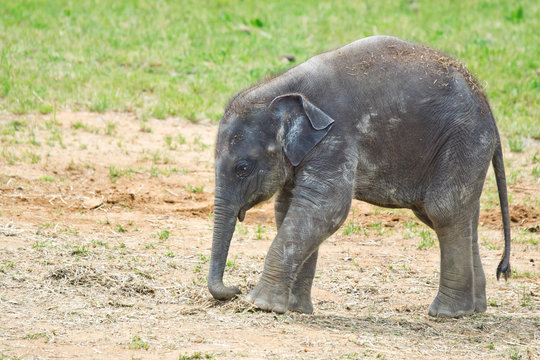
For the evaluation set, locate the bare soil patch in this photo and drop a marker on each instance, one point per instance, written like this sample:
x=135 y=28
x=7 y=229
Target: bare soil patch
x=105 y=237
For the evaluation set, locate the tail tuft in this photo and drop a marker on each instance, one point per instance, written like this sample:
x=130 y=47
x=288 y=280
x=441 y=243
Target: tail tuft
x=504 y=268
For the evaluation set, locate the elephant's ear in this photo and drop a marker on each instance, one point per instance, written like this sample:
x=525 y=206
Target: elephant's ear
x=303 y=125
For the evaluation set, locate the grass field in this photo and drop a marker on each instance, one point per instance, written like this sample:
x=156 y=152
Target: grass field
x=186 y=58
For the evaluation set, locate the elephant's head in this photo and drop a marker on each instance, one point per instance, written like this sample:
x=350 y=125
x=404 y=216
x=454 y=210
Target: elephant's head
x=258 y=144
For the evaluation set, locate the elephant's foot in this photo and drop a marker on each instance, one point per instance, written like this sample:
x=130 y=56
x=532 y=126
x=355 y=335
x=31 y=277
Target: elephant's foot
x=301 y=303
x=269 y=299
x=480 y=302
x=445 y=306
x=480 y=299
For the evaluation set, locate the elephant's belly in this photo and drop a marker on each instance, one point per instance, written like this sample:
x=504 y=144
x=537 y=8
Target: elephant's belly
x=386 y=194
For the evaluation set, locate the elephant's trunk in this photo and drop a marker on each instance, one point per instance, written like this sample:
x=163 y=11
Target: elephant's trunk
x=224 y=223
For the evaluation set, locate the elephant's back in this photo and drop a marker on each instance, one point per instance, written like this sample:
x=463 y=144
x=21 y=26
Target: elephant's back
x=393 y=59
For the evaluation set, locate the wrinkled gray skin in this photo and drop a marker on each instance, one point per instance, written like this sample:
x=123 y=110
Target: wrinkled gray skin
x=380 y=120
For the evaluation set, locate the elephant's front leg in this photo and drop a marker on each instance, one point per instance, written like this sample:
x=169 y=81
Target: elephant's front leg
x=281 y=205
x=300 y=298
x=290 y=264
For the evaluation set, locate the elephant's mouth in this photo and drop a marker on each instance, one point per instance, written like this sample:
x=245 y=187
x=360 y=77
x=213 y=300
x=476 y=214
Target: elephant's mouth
x=249 y=205
x=242 y=214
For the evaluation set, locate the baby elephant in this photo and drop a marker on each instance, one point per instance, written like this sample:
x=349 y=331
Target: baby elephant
x=381 y=120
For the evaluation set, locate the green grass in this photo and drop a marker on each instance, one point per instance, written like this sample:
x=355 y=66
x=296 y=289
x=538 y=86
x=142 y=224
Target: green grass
x=516 y=144
x=179 y=58
x=163 y=234
x=196 y=355
x=427 y=240
x=194 y=189
x=136 y=343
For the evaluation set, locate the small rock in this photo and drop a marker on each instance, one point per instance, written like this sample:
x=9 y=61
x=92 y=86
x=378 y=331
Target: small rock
x=244 y=29
x=92 y=203
x=289 y=58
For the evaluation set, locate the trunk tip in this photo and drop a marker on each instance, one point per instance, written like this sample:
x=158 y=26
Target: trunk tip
x=222 y=292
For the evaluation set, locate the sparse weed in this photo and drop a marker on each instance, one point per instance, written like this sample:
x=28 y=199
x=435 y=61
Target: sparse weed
x=110 y=128
x=156 y=156
x=516 y=144
x=47 y=335
x=525 y=237
x=9 y=156
x=115 y=173
x=145 y=128
x=194 y=189
x=143 y=274
x=80 y=250
x=31 y=157
x=427 y=240
x=47 y=179
x=136 y=343
x=196 y=356
x=79 y=125
x=354 y=227
x=42 y=244
x=412 y=229
x=100 y=243
x=490 y=245
x=259 y=232
x=163 y=234
x=378 y=227
x=516 y=274
x=203 y=258
x=6 y=265
x=170 y=144
x=527 y=299
x=241 y=229
x=200 y=145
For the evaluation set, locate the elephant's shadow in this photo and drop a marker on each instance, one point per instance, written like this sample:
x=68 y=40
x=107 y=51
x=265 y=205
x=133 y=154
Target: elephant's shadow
x=477 y=326
x=520 y=327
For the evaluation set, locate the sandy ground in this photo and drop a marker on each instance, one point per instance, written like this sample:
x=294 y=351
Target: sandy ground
x=105 y=237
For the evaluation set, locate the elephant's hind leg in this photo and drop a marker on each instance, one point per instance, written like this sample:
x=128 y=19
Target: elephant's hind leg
x=480 y=299
x=456 y=284
x=462 y=283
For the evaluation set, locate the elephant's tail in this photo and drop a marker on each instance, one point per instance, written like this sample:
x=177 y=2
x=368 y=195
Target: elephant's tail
x=498 y=167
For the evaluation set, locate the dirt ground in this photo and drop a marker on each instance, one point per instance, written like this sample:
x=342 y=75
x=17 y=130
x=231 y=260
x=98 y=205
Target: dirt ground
x=105 y=237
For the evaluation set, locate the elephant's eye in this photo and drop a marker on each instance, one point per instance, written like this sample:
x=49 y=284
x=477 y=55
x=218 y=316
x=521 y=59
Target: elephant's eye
x=243 y=168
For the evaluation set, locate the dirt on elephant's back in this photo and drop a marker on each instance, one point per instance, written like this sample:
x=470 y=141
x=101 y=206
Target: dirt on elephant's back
x=105 y=237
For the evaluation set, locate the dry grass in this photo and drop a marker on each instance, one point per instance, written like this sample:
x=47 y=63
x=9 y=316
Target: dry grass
x=109 y=282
